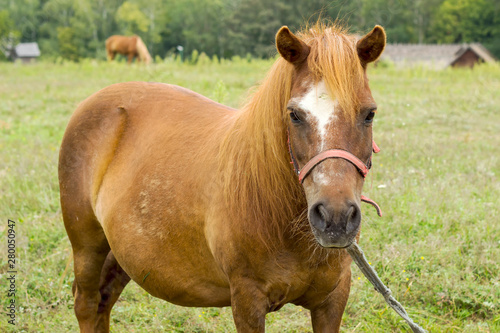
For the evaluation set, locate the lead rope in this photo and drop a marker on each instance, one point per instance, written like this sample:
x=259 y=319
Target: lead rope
x=354 y=250
x=359 y=258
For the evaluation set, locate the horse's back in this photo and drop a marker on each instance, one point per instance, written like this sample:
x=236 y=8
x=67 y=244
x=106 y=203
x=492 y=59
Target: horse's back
x=126 y=116
x=135 y=130
x=121 y=44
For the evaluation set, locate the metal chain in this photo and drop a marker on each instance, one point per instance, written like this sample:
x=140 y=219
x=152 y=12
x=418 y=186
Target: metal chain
x=359 y=258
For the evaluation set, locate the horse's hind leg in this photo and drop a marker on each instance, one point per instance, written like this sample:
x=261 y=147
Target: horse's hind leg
x=90 y=248
x=113 y=281
x=86 y=151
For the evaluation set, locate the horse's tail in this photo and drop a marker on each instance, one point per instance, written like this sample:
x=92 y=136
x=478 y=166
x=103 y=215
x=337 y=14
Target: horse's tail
x=142 y=50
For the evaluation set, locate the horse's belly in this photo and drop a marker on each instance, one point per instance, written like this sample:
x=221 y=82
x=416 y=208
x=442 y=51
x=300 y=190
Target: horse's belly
x=157 y=236
x=181 y=284
x=170 y=263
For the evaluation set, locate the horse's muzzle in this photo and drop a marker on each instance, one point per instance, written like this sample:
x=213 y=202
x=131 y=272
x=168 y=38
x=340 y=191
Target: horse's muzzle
x=335 y=226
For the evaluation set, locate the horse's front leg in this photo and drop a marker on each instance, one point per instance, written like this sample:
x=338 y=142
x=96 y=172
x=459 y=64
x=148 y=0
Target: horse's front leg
x=249 y=305
x=327 y=315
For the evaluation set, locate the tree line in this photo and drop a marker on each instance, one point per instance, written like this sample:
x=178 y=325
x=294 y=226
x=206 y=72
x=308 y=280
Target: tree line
x=75 y=29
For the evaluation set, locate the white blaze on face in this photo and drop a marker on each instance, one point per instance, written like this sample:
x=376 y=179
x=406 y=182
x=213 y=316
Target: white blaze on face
x=321 y=112
x=320 y=107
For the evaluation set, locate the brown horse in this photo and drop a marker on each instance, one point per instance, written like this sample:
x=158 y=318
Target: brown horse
x=199 y=204
x=128 y=46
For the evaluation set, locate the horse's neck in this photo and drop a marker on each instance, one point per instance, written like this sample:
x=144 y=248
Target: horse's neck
x=260 y=188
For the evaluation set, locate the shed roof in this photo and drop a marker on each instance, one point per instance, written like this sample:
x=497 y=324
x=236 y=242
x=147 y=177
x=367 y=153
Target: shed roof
x=436 y=55
x=481 y=51
x=27 y=50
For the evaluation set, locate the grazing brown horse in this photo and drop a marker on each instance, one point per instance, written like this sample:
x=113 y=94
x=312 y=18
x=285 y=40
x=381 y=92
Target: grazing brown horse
x=199 y=203
x=128 y=46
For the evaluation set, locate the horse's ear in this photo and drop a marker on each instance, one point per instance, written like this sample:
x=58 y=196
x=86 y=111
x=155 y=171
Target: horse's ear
x=371 y=46
x=291 y=48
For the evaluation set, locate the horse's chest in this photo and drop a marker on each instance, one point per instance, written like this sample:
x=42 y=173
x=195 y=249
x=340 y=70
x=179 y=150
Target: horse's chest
x=288 y=278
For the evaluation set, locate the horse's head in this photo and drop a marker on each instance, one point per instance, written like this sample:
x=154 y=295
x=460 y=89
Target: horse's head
x=331 y=110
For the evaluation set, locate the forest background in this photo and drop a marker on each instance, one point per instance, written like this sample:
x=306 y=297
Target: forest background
x=76 y=29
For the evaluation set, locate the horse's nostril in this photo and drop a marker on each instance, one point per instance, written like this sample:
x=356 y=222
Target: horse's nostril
x=323 y=212
x=318 y=216
x=345 y=220
x=353 y=219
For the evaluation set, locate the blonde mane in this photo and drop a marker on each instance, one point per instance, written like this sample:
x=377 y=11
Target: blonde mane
x=260 y=187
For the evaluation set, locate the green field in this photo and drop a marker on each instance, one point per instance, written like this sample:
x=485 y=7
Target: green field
x=437 y=179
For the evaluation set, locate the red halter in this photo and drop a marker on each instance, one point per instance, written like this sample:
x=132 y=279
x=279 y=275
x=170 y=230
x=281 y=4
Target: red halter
x=336 y=153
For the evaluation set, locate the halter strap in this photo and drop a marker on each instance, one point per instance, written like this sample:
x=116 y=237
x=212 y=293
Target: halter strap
x=373 y=203
x=332 y=153
x=335 y=153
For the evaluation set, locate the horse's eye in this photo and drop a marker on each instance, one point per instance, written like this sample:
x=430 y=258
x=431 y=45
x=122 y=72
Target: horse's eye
x=369 y=118
x=294 y=117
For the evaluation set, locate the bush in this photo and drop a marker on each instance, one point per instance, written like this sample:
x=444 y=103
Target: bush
x=203 y=59
x=194 y=57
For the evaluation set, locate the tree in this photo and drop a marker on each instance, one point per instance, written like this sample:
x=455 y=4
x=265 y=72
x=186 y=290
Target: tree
x=26 y=17
x=9 y=36
x=131 y=19
x=238 y=27
x=462 y=21
x=67 y=47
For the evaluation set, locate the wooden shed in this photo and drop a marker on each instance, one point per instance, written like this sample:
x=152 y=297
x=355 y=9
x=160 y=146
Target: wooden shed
x=27 y=52
x=437 y=56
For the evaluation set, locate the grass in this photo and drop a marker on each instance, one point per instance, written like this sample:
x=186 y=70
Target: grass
x=437 y=180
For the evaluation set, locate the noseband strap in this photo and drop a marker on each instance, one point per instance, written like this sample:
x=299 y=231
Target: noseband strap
x=332 y=153
x=336 y=153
